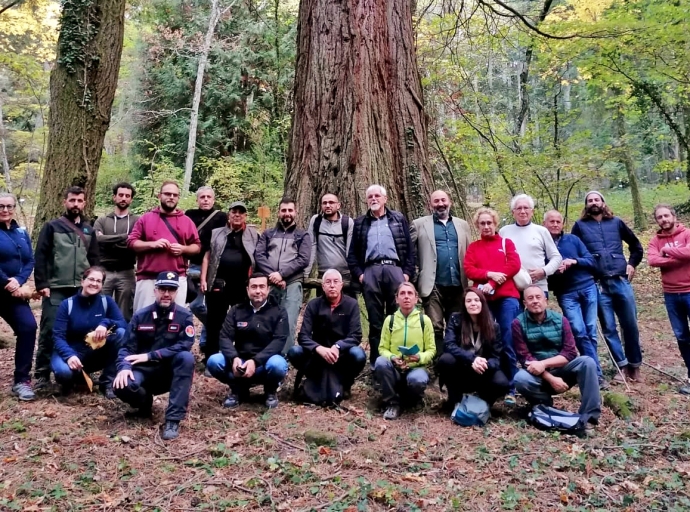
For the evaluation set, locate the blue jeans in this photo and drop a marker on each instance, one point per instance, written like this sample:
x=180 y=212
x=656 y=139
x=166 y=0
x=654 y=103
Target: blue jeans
x=291 y=299
x=198 y=305
x=104 y=358
x=394 y=382
x=504 y=311
x=270 y=375
x=616 y=299
x=581 y=371
x=18 y=315
x=580 y=308
x=678 y=308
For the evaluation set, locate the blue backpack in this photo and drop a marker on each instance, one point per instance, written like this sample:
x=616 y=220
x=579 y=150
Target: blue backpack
x=471 y=411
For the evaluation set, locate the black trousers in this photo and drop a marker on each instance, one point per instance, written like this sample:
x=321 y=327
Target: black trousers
x=217 y=306
x=174 y=375
x=460 y=378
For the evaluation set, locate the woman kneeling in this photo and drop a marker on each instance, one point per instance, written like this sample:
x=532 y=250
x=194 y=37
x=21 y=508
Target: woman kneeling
x=471 y=361
x=87 y=312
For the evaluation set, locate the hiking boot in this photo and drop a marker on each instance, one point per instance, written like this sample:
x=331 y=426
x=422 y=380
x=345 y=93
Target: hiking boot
x=392 y=413
x=41 y=383
x=108 y=392
x=23 y=391
x=590 y=430
x=633 y=374
x=144 y=412
x=603 y=384
x=207 y=374
x=231 y=402
x=272 y=401
x=171 y=430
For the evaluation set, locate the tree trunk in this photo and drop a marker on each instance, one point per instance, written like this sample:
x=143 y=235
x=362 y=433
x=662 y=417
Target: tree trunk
x=358 y=107
x=627 y=161
x=3 y=153
x=82 y=89
x=196 y=100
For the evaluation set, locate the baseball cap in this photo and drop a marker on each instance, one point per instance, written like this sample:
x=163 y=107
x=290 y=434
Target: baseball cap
x=238 y=204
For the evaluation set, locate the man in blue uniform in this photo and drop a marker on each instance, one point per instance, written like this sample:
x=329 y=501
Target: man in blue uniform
x=156 y=356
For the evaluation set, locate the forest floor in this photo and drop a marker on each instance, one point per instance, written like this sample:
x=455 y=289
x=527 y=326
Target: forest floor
x=80 y=453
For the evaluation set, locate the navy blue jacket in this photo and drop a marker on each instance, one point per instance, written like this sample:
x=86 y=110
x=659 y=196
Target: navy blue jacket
x=356 y=258
x=490 y=350
x=604 y=240
x=576 y=277
x=69 y=330
x=16 y=256
x=160 y=333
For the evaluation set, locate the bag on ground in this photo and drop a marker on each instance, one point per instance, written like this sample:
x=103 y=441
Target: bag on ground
x=549 y=418
x=471 y=411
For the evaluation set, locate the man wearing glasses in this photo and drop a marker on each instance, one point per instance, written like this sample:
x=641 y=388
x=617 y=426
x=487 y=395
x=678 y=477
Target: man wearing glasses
x=331 y=234
x=328 y=352
x=66 y=247
x=163 y=239
x=156 y=357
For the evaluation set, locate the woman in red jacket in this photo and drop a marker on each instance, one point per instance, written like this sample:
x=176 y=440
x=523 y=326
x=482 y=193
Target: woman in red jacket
x=491 y=262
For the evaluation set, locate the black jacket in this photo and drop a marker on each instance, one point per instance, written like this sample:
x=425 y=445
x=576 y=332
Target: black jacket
x=489 y=351
x=198 y=216
x=160 y=333
x=257 y=336
x=323 y=327
x=356 y=258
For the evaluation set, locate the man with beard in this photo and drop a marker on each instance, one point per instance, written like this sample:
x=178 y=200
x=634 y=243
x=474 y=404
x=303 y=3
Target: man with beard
x=118 y=260
x=603 y=235
x=441 y=242
x=283 y=253
x=670 y=251
x=331 y=234
x=381 y=257
x=163 y=239
x=66 y=247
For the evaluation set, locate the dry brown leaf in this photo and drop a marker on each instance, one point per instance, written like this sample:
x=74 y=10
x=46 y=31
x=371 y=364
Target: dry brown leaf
x=9 y=460
x=50 y=413
x=92 y=342
x=324 y=450
x=88 y=380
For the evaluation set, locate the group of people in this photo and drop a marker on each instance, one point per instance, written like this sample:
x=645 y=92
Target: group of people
x=114 y=297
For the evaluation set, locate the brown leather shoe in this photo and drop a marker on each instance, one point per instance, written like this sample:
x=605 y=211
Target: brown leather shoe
x=633 y=374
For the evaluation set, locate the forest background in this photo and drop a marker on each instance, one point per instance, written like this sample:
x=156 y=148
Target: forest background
x=550 y=98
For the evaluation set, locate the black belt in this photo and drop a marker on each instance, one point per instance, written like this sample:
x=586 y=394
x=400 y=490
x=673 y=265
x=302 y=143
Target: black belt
x=384 y=262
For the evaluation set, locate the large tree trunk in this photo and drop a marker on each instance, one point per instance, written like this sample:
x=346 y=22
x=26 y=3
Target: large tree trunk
x=3 y=154
x=359 y=114
x=624 y=156
x=82 y=89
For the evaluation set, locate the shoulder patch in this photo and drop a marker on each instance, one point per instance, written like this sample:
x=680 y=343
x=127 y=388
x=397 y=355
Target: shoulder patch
x=189 y=331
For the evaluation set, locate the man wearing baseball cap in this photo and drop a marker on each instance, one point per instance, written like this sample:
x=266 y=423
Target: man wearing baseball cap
x=603 y=234
x=156 y=357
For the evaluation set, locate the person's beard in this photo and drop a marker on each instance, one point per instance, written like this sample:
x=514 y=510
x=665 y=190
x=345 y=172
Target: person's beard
x=72 y=213
x=166 y=208
x=594 y=209
x=442 y=212
x=287 y=221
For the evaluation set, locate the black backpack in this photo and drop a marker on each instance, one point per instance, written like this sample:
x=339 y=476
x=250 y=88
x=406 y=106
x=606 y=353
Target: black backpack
x=325 y=390
x=344 y=223
x=551 y=419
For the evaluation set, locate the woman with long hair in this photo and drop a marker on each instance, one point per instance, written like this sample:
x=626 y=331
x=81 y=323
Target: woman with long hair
x=93 y=314
x=16 y=265
x=471 y=361
x=491 y=263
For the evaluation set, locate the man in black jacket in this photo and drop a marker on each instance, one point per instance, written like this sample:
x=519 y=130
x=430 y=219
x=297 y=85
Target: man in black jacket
x=329 y=337
x=381 y=257
x=66 y=247
x=156 y=356
x=252 y=338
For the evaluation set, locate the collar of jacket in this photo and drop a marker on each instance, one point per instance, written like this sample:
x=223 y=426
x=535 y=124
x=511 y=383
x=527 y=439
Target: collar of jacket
x=290 y=228
x=386 y=213
x=678 y=228
x=435 y=218
x=13 y=225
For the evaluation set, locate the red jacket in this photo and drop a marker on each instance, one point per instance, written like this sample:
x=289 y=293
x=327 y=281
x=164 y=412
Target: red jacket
x=150 y=227
x=486 y=255
x=675 y=265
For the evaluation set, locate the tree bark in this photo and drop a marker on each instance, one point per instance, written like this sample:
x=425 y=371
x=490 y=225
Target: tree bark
x=196 y=100
x=358 y=107
x=625 y=158
x=3 y=153
x=82 y=89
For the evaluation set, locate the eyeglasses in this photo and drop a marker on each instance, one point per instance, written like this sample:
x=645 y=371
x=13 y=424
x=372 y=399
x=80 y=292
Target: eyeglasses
x=329 y=202
x=165 y=289
x=94 y=280
x=170 y=194
x=8 y=207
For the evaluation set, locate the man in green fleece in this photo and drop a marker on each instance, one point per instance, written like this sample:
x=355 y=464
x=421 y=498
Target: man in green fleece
x=66 y=247
x=407 y=348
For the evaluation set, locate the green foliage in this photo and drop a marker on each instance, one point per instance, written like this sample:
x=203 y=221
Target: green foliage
x=148 y=187
x=78 y=27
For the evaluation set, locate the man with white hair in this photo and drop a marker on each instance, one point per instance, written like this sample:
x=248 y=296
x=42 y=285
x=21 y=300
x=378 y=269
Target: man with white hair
x=533 y=242
x=381 y=257
x=206 y=218
x=328 y=352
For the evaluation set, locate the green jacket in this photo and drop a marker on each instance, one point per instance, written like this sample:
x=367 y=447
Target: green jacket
x=408 y=332
x=62 y=255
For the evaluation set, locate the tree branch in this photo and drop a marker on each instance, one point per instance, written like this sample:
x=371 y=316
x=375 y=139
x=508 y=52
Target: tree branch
x=10 y=5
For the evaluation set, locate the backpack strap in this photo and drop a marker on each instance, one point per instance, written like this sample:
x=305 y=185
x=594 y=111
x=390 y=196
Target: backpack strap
x=390 y=324
x=104 y=301
x=70 y=305
x=421 y=321
x=317 y=227
x=345 y=227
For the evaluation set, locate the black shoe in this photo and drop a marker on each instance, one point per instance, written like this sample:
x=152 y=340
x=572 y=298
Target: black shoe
x=231 y=402
x=271 y=401
x=108 y=392
x=144 y=412
x=347 y=393
x=171 y=430
x=41 y=382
